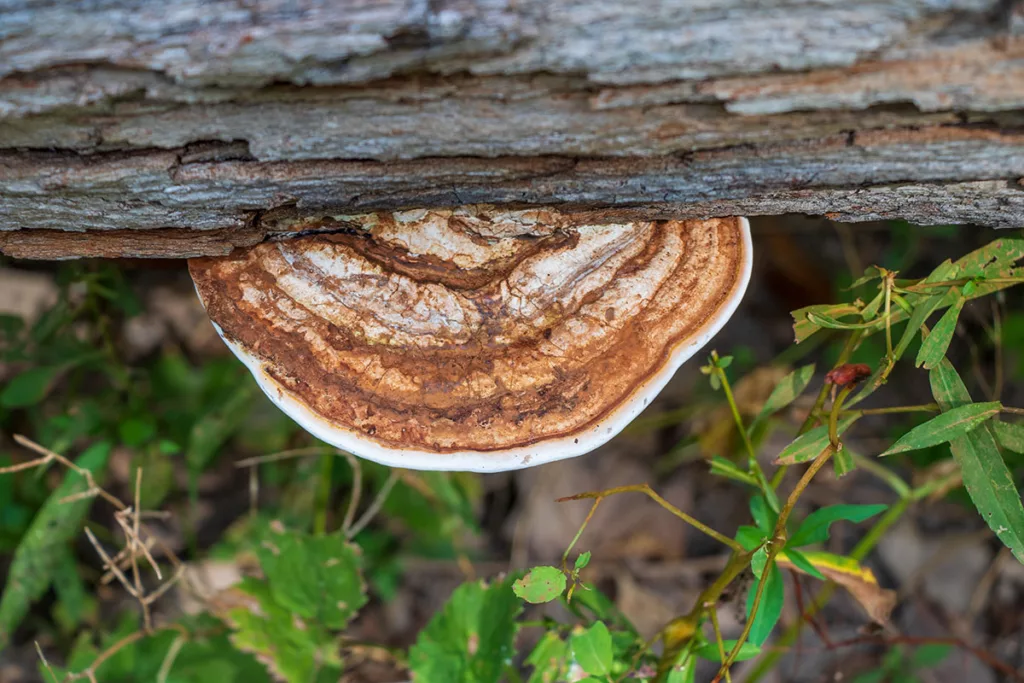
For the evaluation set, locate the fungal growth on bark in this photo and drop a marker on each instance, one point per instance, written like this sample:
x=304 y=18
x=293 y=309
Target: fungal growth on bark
x=474 y=338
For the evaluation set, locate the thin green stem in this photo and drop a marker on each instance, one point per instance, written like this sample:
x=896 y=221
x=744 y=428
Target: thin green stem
x=894 y=481
x=919 y=408
x=323 y=494
x=753 y=466
x=888 y=311
x=597 y=496
x=866 y=544
x=678 y=632
x=852 y=341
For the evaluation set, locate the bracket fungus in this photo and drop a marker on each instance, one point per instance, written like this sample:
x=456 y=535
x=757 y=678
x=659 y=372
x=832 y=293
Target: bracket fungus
x=474 y=338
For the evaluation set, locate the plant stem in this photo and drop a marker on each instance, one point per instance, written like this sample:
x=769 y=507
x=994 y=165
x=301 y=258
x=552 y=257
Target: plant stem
x=650 y=493
x=852 y=341
x=323 y=494
x=779 y=538
x=919 y=408
x=753 y=466
x=864 y=546
x=678 y=632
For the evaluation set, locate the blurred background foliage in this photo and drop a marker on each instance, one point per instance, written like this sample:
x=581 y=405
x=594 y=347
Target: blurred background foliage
x=120 y=356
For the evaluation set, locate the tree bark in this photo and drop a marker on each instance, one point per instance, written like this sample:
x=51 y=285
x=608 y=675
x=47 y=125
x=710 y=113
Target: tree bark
x=146 y=128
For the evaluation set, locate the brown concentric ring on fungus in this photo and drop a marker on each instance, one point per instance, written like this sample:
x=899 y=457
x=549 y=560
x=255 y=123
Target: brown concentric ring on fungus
x=474 y=338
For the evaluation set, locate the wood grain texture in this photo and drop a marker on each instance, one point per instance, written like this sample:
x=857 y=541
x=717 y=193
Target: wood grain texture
x=202 y=116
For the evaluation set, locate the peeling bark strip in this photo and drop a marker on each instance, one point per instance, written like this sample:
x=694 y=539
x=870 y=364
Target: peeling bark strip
x=171 y=116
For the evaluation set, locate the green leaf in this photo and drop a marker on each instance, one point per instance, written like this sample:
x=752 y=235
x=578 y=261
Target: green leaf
x=759 y=561
x=815 y=527
x=933 y=349
x=582 y=560
x=471 y=639
x=30 y=387
x=804 y=327
x=541 y=584
x=786 y=391
x=548 y=659
x=927 y=656
x=871 y=273
x=44 y=545
x=684 y=673
x=136 y=431
x=749 y=537
x=316 y=577
x=986 y=477
x=592 y=649
x=710 y=651
x=292 y=649
x=211 y=431
x=842 y=463
x=823 y=320
x=945 y=426
x=74 y=602
x=924 y=308
x=728 y=469
x=810 y=445
x=801 y=562
x=870 y=310
x=763 y=516
x=1009 y=434
x=770 y=608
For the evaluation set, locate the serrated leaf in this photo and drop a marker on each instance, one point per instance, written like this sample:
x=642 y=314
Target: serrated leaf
x=592 y=649
x=292 y=650
x=769 y=609
x=945 y=426
x=548 y=659
x=815 y=527
x=1010 y=435
x=316 y=577
x=933 y=349
x=810 y=445
x=986 y=477
x=540 y=584
x=858 y=580
x=471 y=639
x=711 y=652
x=45 y=543
x=786 y=391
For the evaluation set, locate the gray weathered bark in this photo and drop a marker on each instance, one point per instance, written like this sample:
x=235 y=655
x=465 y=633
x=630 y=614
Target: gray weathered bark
x=184 y=128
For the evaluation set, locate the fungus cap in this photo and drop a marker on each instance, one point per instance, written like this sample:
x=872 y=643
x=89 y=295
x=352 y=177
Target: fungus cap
x=474 y=338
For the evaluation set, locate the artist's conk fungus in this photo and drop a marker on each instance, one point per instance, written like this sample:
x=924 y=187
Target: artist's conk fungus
x=474 y=338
